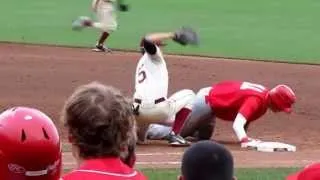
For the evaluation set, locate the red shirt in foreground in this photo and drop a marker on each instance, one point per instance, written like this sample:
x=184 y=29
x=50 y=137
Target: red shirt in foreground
x=102 y=169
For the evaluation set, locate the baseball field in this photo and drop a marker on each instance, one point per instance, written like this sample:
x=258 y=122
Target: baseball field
x=35 y=72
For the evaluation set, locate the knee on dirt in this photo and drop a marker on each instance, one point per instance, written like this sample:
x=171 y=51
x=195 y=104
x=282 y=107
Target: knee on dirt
x=205 y=132
x=203 y=92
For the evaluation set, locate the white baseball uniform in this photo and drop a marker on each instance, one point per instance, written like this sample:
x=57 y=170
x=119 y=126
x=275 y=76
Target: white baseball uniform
x=151 y=90
x=106 y=15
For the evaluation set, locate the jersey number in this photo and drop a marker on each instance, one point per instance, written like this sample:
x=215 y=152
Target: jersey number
x=252 y=86
x=143 y=76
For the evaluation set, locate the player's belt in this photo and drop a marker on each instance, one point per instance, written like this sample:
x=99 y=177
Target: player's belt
x=108 y=1
x=139 y=101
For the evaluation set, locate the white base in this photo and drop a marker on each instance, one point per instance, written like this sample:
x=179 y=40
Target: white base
x=275 y=147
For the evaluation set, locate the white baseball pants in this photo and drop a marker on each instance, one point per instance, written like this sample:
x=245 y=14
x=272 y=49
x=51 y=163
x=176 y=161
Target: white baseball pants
x=200 y=111
x=106 y=15
x=163 y=112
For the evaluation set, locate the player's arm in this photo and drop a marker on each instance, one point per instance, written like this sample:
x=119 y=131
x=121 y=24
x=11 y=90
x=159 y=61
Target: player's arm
x=151 y=41
x=159 y=37
x=241 y=122
x=238 y=127
x=94 y=5
x=149 y=44
x=182 y=36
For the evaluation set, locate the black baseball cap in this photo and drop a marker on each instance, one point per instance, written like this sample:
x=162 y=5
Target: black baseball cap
x=207 y=160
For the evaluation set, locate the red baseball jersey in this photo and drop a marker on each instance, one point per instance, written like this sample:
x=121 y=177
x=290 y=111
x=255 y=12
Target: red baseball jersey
x=229 y=98
x=102 y=169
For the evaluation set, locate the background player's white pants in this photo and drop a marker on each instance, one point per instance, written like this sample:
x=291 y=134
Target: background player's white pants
x=163 y=112
x=106 y=15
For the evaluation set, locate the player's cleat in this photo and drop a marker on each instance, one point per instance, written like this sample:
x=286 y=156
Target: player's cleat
x=101 y=48
x=81 y=22
x=176 y=140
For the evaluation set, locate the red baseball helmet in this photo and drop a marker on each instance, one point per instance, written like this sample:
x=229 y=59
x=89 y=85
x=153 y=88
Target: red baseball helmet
x=30 y=146
x=310 y=172
x=282 y=98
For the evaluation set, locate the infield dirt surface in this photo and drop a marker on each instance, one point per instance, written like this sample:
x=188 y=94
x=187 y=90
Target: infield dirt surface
x=44 y=76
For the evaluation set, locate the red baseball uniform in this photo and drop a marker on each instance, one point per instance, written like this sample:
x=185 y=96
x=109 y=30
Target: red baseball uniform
x=102 y=169
x=229 y=98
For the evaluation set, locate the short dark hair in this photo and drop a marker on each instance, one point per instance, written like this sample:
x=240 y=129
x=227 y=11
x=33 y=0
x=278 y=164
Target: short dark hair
x=148 y=46
x=207 y=160
x=99 y=119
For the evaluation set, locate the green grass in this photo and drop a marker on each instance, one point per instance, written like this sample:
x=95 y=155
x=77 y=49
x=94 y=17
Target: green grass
x=241 y=174
x=274 y=29
x=246 y=174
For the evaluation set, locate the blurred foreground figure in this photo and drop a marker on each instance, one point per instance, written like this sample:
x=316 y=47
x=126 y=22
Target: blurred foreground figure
x=311 y=172
x=207 y=160
x=101 y=129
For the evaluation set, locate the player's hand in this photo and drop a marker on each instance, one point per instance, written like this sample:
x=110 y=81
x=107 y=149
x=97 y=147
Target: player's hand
x=250 y=143
x=123 y=7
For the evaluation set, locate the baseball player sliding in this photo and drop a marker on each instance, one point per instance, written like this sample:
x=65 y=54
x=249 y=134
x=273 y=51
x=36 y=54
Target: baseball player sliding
x=238 y=102
x=105 y=11
x=150 y=101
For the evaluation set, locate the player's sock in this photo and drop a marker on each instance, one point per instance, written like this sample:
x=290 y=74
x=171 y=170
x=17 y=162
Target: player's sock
x=181 y=116
x=87 y=22
x=103 y=38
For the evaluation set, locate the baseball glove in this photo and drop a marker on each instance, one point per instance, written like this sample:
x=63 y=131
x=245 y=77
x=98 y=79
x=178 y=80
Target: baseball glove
x=186 y=36
x=122 y=6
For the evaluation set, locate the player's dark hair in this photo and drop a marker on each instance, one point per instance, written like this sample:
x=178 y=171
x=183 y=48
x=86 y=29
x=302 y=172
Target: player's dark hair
x=99 y=120
x=207 y=160
x=149 y=47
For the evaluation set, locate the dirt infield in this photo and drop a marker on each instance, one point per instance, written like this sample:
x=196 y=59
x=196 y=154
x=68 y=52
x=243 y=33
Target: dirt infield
x=42 y=77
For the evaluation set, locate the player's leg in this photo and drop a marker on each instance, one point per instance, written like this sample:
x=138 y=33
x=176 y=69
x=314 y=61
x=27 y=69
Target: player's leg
x=107 y=23
x=151 y=112
x=179 y=106
x=142 y=128
x=147 y=113
x=205 y=130
x=200 y=119
x=165 y=113
x=158 y=131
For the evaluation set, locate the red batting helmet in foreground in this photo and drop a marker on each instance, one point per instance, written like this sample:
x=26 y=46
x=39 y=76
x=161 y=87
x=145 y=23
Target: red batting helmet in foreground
x=29 y=145
x=311 y=172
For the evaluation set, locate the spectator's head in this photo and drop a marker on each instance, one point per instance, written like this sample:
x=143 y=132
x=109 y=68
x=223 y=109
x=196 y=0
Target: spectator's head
x=207 y=160
x=30 y=146
x=311 y=172
x=99 y=120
